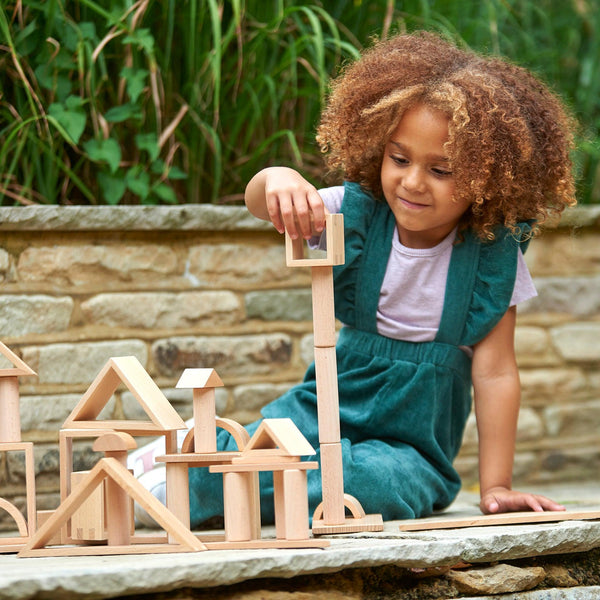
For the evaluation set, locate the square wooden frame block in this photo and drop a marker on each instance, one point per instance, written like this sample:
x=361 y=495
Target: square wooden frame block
x=334 y=234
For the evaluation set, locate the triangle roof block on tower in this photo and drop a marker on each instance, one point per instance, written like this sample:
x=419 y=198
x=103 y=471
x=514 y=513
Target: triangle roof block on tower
x=129 y=371
x=281 y=436
x=18 y=369
x=199 y=379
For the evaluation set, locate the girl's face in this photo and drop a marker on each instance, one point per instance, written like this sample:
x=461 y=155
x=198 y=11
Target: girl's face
x=417 y=181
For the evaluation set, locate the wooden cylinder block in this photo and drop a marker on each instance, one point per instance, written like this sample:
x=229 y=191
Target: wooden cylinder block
x=332 y=482
x=10 y=417
x=323 y=307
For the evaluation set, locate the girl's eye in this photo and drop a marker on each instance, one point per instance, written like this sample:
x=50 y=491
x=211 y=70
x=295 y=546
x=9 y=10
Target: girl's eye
x=440 y=172
x=399 y=160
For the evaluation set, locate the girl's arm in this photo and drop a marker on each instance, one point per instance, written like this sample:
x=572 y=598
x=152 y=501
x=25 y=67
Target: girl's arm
x=497 y=393
x=282 y=196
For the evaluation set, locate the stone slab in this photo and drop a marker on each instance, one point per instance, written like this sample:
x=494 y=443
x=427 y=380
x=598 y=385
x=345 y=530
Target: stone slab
x=114 y=576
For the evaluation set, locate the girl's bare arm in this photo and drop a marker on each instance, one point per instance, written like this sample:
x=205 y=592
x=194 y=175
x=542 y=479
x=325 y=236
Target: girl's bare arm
x=497 y=398
x=282 y=196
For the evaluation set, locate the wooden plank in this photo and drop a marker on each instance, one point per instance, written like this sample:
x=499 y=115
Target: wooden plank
x=511 y=518
x=350 y=525
x=274 y=466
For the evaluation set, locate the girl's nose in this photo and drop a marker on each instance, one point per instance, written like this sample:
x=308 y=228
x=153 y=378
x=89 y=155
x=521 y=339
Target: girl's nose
x=413 y=180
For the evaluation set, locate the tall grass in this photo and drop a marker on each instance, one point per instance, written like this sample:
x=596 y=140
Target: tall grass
x=164 y=101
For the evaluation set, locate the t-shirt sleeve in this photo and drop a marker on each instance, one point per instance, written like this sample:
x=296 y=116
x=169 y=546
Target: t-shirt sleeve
x=332 y=198
x=524 y=287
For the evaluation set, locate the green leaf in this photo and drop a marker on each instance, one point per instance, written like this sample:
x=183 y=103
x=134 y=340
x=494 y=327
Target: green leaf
x=71 y=116
x=138 y=182
x=149 y=143
x=112 y=187
x=136 y=81
x=142 y=38
x=165 y=193
x=176 y=173
x=121 y=113
x=107 y=151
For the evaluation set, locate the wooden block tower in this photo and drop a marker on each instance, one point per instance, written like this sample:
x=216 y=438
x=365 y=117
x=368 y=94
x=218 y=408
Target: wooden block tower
x=330 y=515
x=10 y=441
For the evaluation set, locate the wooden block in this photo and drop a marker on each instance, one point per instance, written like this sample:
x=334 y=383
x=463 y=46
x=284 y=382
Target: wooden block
x=291 y=505
x=256 y=467
x=328 y=408
x=334 y=232
x=10 y=417
x=205 y=430
x=110 y=468
x=178 y=492
x=281 y=434
x=114 y=441
x=18 y=518
x=332 y=483
x=18 y=369
x=349 y=525
x=511 y=518
x=323 y=307
x=238 y=514
x=42 y=517
x=199 y=378
x=88 y=521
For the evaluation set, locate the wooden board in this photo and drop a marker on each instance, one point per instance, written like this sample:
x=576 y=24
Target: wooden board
x=350 y=525
x=511 y=518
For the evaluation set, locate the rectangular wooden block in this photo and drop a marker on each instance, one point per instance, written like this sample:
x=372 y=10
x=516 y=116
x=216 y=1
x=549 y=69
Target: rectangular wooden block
x=323 y=307
x=334 y=232
x=332 y=480
x=327 y=395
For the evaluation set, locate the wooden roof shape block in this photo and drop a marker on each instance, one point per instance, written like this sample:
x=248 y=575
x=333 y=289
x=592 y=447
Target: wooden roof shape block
x=112 y=469
x=280 y=436
x=18 y=369
x=129 y=371
x=199 y=379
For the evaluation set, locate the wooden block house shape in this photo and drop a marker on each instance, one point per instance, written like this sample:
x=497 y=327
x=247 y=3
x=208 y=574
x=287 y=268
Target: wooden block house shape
x=277 y=446
x=83 y=421
x=10 y=441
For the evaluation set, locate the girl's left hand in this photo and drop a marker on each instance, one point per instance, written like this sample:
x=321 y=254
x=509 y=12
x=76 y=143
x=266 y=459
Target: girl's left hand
x=500 y=500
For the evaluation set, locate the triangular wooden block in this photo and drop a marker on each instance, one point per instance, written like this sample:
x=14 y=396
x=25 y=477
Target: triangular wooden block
x=129 y=371
x=281 y=435
x=112 y=469
x=19 y=368
x=199 y=379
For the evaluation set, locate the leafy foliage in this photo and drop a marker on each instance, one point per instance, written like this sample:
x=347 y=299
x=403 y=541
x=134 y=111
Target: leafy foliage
x=174 y=101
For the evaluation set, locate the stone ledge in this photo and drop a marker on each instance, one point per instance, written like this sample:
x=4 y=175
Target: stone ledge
x=115 y=576
x=185 y=217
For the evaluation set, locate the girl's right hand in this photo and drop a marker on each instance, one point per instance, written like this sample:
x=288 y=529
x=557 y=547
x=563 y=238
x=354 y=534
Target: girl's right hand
x=292 y=203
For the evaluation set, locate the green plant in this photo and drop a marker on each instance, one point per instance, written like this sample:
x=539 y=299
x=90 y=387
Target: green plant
x=163 y=101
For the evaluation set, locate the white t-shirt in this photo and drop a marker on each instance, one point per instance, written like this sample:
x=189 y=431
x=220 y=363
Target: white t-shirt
x=412 y=298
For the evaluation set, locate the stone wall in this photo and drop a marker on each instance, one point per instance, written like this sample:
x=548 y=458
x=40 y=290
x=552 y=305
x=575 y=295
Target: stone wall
x=194 y=286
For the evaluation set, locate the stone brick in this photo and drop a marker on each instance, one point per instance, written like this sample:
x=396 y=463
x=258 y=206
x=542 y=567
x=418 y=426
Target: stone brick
x=559 y=384
x=249 y=399
x=25 y=314
x=79 y=363
x=243 y=355
x=576 y=420
x=571 y=464
x=579 y=296
x=4 y=264
x=48 y=413
x=163 y=310
x=280 y=305
x=577 y=341
x=533 y=347
x=239 y=265
x=101 y=265
x=529 y=427
x=564 y=254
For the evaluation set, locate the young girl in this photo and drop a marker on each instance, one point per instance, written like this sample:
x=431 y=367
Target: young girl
x=450 y=161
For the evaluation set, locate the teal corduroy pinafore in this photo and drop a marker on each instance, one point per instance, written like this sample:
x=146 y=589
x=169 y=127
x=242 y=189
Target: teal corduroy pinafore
x=403 y=405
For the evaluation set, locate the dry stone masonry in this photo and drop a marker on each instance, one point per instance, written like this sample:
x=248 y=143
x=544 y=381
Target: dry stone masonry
x=207 y=286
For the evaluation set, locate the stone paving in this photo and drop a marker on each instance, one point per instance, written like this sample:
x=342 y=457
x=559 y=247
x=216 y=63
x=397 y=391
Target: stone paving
x=118 y=576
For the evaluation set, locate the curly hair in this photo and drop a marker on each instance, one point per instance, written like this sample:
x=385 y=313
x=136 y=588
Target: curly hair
x=509 y=136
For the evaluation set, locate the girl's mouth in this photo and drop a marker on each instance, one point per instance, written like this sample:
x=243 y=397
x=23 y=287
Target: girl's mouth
x=412 y=205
